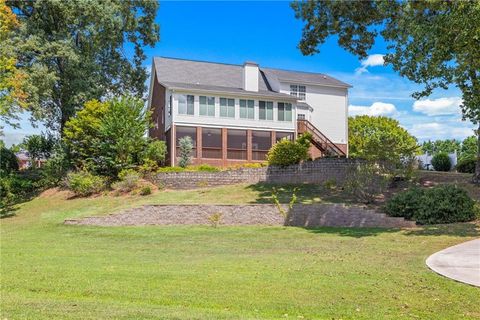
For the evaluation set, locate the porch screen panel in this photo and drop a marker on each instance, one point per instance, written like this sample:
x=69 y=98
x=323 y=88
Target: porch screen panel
x=181 y=132
x=211 y=143
x=280 y=135
x=237 y=144
x=261 y=143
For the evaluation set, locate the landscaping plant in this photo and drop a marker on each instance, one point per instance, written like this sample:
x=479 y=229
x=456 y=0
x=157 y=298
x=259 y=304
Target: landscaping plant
x=215 y=219
x=366 y=181
x=467 y=164
x=287 y=152
x=186 y=147
x=277 y=203
x=441 y=162
x=128 y=180
x=441 y=204
x=84 y=183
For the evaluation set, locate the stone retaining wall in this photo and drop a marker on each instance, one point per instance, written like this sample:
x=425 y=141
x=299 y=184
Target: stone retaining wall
x=318 y=171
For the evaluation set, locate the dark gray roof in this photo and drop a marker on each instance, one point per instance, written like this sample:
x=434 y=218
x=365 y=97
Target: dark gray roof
x=238 y=91
x=228 y=77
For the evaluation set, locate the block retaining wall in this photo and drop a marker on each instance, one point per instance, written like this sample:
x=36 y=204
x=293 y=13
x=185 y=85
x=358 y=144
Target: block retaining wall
x=318 y=171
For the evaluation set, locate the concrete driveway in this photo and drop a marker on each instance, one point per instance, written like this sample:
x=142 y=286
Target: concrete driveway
x=460 y=262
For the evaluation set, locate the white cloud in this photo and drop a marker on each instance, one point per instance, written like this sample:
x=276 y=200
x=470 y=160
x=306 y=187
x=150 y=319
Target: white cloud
x=436 y=107
x=376 y=109
x=372 y=60
x=441 y=130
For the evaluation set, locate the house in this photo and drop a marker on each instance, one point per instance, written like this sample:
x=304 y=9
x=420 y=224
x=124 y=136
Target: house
x=25 y=162
x=235 y=113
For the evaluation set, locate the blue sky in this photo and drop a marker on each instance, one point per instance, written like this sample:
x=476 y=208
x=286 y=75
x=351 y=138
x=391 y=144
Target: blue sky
x=268 y=33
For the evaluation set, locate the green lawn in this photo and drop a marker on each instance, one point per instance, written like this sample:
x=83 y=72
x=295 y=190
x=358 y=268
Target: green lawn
x=49 y=270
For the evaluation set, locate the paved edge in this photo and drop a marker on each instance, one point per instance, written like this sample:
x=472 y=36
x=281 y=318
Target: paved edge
x=460 y=262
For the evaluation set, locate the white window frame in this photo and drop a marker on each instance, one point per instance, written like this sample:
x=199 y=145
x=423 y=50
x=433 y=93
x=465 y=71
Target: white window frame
x=248 y=109
x=208 y=106
x=228 y=108
x=185 y=109
x=267 y=105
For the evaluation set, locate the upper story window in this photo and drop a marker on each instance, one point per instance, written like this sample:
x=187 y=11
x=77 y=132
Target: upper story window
x=185 y=104
x=247 y=109
x=265 y=110
x=298 y=91
x=207 y=106
x=227 y=107
x=284 y=111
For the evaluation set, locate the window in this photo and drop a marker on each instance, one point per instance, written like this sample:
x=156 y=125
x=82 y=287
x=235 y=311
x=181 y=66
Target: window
x=300 y=116
x=237 y=144
x=207 y=106
x=265 y=110
x=211 y=143
x=261 y=143
x=227 y=107
x=185 y=104
x=191 y=132
x=298 y=91
x=281 y=135
x=284 y=111
x=247 y=109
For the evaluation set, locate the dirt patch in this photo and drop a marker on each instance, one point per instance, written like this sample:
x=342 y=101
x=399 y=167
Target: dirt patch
x=261 y=214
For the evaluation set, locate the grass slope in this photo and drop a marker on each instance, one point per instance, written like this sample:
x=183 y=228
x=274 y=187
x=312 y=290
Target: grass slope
x=52 y=271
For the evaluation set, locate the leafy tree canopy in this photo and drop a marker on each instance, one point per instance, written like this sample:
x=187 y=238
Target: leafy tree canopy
x=75 y=51
x=380 y=139
x=437 y=146
x=434 y=43
x=12 y=80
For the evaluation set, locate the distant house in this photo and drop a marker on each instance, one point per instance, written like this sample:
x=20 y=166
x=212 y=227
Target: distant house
x=24 y=161
x=235 y=113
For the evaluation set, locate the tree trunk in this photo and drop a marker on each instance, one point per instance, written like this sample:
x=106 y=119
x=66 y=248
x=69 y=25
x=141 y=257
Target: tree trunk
x=476 y=177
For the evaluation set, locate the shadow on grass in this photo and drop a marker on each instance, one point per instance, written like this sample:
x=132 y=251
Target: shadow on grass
x=455 y=229
x=306 y=193
x=352 y=232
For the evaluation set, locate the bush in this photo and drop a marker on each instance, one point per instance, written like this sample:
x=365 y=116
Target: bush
x=442 y=204
x=14 y=188
x=405 y=204
x=145 y=190
x=84 y=183
x=128 y=180
x=155 y=153
x=467 y=164
x=366 y=181
x=170 y=169
x=203 y=167
x=56 y=168
x=287 y=152
x=8 y=161
x=441 y=162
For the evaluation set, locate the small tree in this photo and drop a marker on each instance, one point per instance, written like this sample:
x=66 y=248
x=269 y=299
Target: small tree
x=186 y=147
x=366 y=181
x=155 y=152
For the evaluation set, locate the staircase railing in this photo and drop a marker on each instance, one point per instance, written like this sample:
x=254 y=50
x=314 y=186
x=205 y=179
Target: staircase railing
x=319 y=140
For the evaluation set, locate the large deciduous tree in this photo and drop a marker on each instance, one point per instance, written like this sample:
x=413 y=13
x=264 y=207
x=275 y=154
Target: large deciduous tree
x=434 y=43
x=380 y=139
x=12 y=80
x=76 y=51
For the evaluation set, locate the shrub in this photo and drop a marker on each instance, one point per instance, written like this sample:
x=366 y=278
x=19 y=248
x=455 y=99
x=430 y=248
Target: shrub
x=171 y=169
x=155 y=152
x=203 y=167
x=287 y=152
x=145 y=190
x=84 y=183
x=441 y=204
x=14 y=188
x=405 y=204
x=186 y=147
x=467 y=164
x=215 y=219
x=366 y=181
x=276 y=202
x=56 y=168
x=441 y=162
x=128 y=180
x=8 y=161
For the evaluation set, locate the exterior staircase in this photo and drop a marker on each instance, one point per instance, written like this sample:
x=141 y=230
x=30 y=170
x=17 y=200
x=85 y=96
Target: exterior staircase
x=319 y=140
